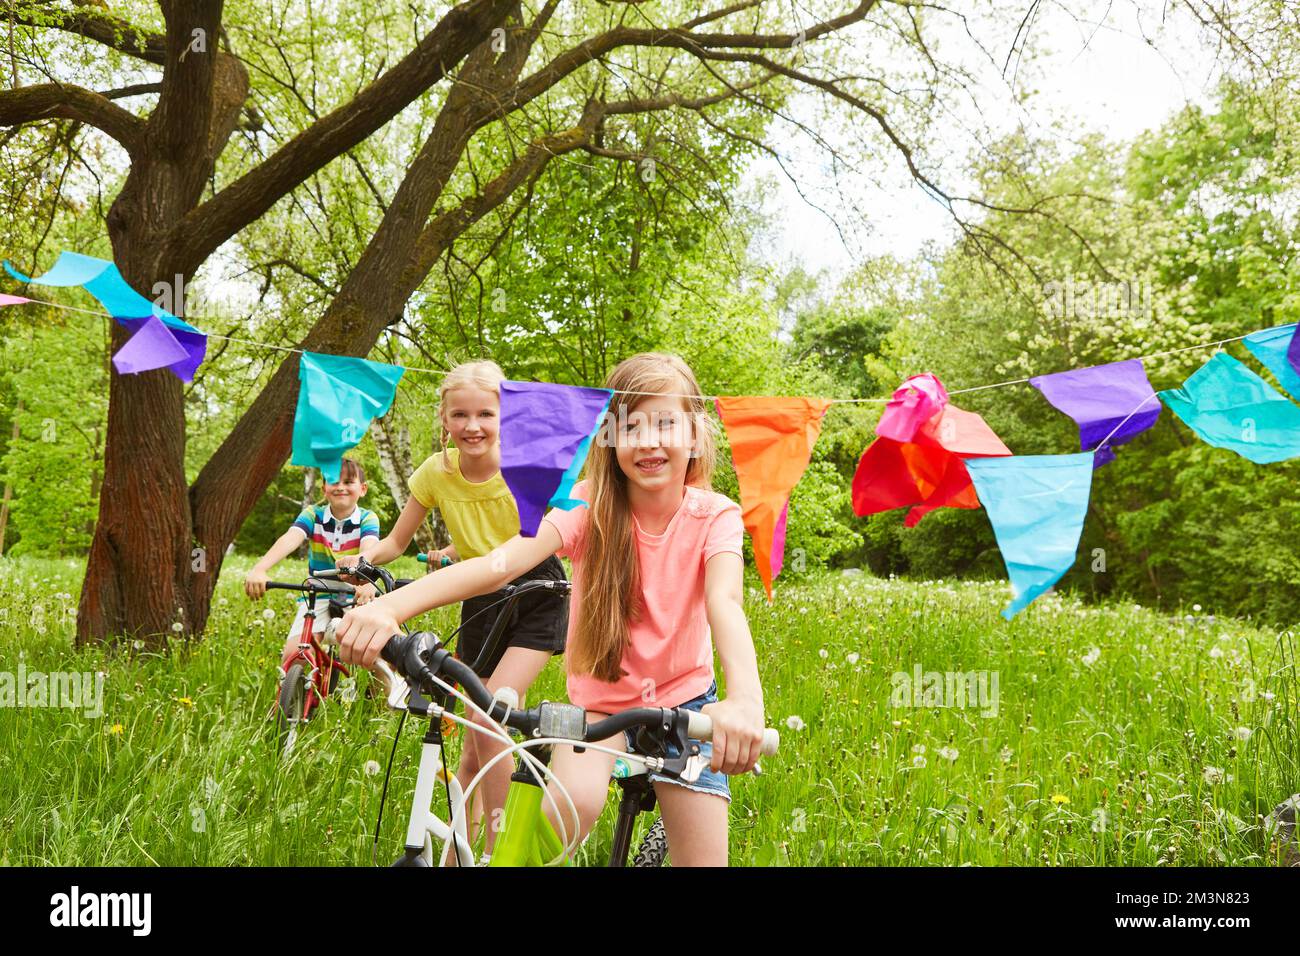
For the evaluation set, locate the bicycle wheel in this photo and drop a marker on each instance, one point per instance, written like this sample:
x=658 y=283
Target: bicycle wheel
x=654 y=847
x=293 y=698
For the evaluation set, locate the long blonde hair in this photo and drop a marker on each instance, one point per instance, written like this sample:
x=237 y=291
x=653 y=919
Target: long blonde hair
x=611 y=580
x=481 y=373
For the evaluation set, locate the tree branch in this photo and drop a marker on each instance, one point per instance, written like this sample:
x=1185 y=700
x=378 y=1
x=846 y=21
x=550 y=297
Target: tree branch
x=28 y=104
x=205 y=228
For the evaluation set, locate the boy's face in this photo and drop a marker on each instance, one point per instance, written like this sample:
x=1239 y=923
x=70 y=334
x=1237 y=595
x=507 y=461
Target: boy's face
x=655 y=443
x=472 y=417
x=344 y=494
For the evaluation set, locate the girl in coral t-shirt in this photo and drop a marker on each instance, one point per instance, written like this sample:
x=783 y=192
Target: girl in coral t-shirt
x=657 y=567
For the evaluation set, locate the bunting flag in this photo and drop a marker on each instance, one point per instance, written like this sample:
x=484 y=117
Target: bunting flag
x=102 y=279
x=338 y=397
x=12 y=299
x=771 y=444
x=563 y=496
x=1229 y=406
x=1278 y=350
x=546 y=430
x=926 y=473
x=152 y=346
x=913 y=404
x=1036 y=504
x=1110 y=403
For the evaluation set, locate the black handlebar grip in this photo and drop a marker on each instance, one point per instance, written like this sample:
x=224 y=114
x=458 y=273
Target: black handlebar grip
x=394 y=652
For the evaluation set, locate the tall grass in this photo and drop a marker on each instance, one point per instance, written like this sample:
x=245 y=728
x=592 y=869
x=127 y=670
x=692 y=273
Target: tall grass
x=1121 y=737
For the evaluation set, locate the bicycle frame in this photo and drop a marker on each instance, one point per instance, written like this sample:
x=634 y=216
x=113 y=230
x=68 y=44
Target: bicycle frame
x=320 y=663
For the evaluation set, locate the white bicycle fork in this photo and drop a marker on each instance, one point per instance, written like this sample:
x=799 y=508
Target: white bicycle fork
x=425 y=829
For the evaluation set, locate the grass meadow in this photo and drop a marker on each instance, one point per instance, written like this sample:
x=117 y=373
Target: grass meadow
x=1118 y=735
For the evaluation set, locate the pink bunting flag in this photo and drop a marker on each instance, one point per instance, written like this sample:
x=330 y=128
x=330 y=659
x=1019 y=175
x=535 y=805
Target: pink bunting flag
x=914 y=403
x=6 y=299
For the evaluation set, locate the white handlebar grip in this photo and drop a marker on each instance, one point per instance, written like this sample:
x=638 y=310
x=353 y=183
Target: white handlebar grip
x=700 y=727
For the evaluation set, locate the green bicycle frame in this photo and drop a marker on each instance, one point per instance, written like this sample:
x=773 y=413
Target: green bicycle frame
x=527 y=837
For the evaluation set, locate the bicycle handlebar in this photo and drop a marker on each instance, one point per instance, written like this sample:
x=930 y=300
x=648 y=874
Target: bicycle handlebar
x=408 y=653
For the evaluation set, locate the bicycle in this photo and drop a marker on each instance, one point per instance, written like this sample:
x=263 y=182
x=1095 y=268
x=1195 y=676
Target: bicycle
x=527 y=837
x=312 y=670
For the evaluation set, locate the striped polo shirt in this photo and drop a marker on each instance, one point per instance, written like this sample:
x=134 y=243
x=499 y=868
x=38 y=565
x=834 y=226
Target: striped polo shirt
x=333 y=537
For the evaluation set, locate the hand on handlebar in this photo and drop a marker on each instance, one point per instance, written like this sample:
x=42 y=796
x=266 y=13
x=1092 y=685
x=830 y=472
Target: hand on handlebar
x=255 y=584
x=365 y=593
x=364 y=631
x=737 y=734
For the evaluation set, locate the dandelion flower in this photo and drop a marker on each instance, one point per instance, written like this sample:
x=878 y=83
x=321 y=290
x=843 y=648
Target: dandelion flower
x=185 y=701
x=918 y=761
x=1060 y=798
x=918 y=749
x=1213 y=775
x=116 y=730
x=853 y=657
x=372 y=767
x=1242 y=733
x=823 y=653
x=795 y=722
x=947 y=753
x=138 y=644
x=268 y=614
x=1216 y=652
x=1005 y=754
x=1092 y=656
x=1196 y=607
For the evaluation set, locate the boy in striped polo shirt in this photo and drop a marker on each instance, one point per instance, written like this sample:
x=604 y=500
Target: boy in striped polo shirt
x=335 y=530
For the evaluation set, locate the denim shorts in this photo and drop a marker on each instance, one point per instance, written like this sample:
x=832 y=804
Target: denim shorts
x=710 y=781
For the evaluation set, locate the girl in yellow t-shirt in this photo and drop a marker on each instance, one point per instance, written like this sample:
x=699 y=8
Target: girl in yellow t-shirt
x=464 y=483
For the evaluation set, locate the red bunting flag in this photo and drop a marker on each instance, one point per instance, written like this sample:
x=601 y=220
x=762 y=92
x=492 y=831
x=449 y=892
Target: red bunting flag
x=926 y=472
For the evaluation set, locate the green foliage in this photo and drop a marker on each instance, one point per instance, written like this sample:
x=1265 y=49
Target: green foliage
x=55 y=464
x=1186 y=236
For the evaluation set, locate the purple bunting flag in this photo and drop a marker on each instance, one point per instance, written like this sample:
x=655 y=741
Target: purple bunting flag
x=543 y=427
x=1111 y=403
x=152 y=346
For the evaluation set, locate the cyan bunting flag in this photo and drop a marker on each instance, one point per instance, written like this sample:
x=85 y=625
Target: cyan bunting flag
x=102 y=279
x=1036 y=504
x=338 y=397
x=1110 y=403
x=546 y=431
x=1229 y=406
x=1278 y=350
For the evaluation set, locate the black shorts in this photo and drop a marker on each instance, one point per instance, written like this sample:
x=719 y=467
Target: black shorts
x=540 y=619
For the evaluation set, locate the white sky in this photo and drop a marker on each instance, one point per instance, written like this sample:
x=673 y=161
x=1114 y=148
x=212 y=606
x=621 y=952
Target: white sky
x=1107 y=79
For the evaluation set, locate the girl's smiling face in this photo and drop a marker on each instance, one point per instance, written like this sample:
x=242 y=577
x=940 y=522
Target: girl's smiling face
x=654 y=443
x=472 y=419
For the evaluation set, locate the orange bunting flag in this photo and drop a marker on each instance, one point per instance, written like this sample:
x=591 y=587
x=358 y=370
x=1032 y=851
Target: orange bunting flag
x=771 y=443
x=926 y=472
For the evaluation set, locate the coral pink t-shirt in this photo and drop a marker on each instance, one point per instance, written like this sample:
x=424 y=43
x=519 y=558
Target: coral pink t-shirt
x=669 y=657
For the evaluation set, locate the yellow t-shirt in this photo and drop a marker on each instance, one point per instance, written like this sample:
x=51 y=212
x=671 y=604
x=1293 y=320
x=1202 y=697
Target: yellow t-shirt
x=480 y=515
